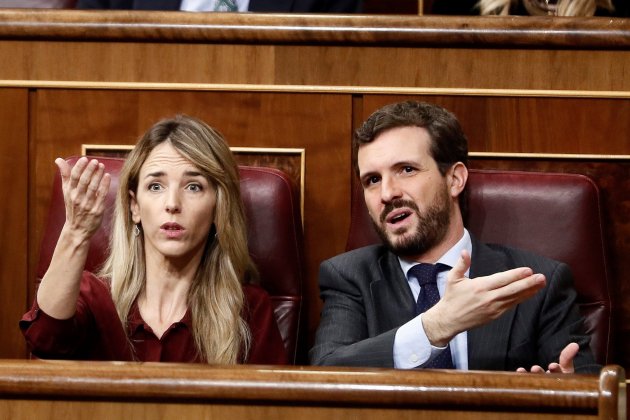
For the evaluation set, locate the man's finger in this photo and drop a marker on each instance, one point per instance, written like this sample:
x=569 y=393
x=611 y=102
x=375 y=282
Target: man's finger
x=554 y=368
x=567 y=355
x=510 y=277
x=461 y=266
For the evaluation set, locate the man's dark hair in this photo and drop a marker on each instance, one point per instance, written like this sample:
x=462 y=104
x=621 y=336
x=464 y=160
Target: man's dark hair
x=449 y=144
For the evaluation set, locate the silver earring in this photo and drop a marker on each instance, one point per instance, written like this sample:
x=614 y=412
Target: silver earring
x=136 y=231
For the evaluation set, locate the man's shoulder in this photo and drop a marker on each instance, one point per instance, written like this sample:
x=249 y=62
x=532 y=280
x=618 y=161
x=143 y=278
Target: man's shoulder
x=360 y=266
x=362 y=262
x=364 y=255
x=517 y=257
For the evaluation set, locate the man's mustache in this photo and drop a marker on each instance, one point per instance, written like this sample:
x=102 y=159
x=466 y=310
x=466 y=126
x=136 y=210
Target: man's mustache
x=396 y=204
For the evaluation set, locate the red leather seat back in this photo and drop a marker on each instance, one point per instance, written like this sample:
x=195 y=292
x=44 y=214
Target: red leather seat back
x=274 y=234
x=551 y=214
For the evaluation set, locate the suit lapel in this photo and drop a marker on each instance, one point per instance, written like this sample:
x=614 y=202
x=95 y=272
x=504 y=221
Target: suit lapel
x=488 y=344
x=393 y=300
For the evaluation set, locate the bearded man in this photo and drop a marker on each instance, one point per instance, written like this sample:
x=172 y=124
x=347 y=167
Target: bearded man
x=433 y=296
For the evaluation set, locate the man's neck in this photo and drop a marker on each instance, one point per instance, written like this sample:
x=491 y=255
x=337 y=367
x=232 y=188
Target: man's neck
x=453 y=235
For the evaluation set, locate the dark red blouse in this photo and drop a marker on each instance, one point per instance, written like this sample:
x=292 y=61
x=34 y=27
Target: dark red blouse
x=96 y=333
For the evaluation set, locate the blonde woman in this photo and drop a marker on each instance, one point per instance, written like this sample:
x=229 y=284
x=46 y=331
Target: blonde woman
x=546 y=7
x=175 y=286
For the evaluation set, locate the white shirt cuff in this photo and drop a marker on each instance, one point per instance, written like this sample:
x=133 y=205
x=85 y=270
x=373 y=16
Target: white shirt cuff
x=412 y=347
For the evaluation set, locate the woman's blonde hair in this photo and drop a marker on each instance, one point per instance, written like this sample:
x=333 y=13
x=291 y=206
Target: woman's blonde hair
x=216 y=297
x=539 y=7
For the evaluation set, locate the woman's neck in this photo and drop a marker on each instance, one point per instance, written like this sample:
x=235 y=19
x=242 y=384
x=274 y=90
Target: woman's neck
x=164 y=299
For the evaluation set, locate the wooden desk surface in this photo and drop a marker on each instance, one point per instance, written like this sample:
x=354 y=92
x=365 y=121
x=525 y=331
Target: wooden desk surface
x=51 y=389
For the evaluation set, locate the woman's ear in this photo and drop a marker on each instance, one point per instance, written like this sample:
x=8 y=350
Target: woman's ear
x=134 y=208
x=458 y=176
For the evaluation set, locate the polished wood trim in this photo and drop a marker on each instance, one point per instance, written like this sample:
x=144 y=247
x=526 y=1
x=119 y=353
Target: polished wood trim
x=89 y=149
x=312 y=385
x=612 y=401
x=481 y=31
x=243 y=87
x=567 y=156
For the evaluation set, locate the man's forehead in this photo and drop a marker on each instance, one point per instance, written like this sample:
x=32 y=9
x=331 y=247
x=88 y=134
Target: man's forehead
x=395 y=141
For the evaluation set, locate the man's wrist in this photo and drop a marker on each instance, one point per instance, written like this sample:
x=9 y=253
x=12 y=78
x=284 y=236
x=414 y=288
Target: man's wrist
x=435 y=329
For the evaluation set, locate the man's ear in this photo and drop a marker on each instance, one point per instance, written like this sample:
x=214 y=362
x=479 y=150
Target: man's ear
x=134 y=208
x=457 y=177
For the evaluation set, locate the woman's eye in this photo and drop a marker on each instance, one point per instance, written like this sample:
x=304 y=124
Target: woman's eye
x=194 y=187
x=155 y=187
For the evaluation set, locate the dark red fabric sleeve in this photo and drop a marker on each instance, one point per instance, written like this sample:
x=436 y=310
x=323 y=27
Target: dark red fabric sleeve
x=93 y=333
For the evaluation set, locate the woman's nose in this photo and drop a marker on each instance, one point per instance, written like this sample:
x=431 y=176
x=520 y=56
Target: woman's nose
x=173 y=203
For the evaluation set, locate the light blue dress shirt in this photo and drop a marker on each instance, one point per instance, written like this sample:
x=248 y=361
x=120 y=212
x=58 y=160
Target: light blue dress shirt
x=411 y=345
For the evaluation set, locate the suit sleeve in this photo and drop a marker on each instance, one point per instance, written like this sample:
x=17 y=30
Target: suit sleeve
x=561 y=323
x=105 y=4
x=340 y=6
x=343 y=337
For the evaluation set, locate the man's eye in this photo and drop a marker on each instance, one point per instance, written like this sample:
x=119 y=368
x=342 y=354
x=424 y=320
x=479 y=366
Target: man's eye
x=408 y=169
x=372 y=180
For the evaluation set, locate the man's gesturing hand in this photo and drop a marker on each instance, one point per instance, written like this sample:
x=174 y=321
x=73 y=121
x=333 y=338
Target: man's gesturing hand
x=468 y=303
x=564 y=365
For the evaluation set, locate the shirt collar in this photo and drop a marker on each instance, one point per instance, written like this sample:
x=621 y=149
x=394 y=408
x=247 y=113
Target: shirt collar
x=135 y=321
x=449 y=258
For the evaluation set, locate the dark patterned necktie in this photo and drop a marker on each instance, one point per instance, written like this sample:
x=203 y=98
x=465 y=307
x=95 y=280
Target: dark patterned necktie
x=429 y=296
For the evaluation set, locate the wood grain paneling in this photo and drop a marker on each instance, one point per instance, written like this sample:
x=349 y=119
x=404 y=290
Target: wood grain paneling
x=533 y=124
x=14 y=164
x=342 y=66
x=374 y=66
x=319 y=123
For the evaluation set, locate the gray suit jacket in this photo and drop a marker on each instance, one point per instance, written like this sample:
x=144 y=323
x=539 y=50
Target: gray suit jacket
x=366 y=298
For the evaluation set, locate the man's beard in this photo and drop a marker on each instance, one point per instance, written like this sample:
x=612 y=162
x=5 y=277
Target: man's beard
x=432 y=226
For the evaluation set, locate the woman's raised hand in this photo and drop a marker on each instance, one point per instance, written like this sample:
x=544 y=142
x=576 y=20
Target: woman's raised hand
x=85 y=187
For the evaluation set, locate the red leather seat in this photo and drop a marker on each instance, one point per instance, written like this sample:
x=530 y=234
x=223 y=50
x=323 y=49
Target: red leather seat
x=274 y=233
x=551 y=214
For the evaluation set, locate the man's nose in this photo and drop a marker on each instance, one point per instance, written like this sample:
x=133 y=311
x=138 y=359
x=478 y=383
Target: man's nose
x=390 y=190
